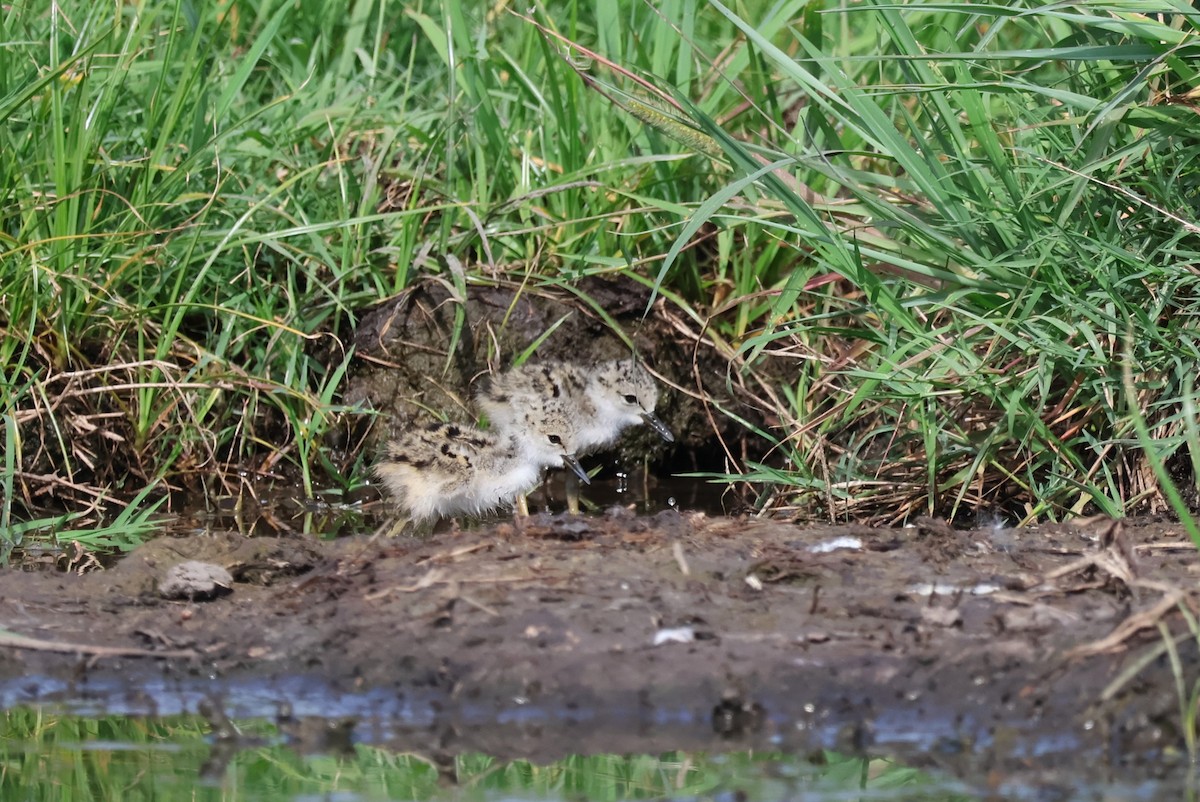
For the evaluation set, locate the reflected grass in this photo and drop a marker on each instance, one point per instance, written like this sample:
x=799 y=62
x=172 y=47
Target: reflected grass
x=45 y=756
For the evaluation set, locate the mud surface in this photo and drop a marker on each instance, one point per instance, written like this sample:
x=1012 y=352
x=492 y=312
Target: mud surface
x=983 y=652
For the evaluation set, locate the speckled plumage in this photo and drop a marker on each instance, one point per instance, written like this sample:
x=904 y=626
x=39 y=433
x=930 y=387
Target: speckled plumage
x=445 y=469
x=600 y=401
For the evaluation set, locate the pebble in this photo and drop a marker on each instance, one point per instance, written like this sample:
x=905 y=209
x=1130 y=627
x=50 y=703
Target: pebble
x=195 y=581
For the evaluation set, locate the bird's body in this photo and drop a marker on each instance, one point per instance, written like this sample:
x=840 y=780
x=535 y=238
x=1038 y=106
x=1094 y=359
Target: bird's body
x=446 y=469
x=601 y=401
x=541 y=415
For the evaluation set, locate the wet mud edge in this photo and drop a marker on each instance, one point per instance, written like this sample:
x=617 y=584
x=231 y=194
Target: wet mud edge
x=971 y=650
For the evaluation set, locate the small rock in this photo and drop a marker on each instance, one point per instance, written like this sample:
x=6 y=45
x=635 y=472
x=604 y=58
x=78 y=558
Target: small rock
x=674 y=635
x=941 y=616
x=826 y=546
x=196 y=581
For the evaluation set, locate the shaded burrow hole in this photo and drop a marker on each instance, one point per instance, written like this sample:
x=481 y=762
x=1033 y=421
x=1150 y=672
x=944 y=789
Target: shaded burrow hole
x=423 y=354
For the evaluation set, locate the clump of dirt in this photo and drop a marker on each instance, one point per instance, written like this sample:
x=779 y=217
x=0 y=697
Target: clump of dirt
x=623 y=633
x=251 y=561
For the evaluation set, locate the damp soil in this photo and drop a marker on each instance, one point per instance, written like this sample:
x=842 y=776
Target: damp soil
x=981 y=652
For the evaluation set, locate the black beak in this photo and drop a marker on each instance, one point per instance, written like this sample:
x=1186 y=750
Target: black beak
x=658 y=426
x=572 y=463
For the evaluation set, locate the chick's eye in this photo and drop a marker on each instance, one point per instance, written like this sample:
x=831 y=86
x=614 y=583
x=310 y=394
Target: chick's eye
x=631 y=399
x=556 y=440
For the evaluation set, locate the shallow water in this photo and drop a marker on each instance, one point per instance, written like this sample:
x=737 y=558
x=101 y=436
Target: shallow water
x=47 y=756
x=298 y=739
x=50 y=756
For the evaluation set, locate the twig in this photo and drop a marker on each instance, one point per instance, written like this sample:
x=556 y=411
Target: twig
x=15 y=641
x=435 y=577
x=1129 y=627
x=680 y=559
x=1183 y=545
x=454 y=553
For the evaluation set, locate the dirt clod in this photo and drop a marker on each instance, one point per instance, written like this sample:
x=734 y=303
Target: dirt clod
x=195 y=581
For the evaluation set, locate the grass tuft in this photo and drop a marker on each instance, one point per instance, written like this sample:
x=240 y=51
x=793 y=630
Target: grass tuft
x=924 y=236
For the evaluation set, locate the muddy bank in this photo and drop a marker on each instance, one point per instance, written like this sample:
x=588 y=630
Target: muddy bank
x=979 y=651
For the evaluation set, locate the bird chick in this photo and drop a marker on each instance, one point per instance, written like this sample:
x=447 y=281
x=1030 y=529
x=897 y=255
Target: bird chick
x=601 y=401
x=446 y=469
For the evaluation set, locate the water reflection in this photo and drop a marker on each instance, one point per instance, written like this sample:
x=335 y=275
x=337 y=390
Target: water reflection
x=53 y=757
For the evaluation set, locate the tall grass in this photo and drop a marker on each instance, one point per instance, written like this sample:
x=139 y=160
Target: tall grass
x=183 y=241
x=928 y=233
x=1025 y=178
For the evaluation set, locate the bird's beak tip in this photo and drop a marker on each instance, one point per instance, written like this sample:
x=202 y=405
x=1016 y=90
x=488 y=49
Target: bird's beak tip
x=571 y=462
x=658 y=426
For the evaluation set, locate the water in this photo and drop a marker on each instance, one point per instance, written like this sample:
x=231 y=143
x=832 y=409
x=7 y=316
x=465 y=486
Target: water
x=46 y=755
x=49 y=756
x=295 y=739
